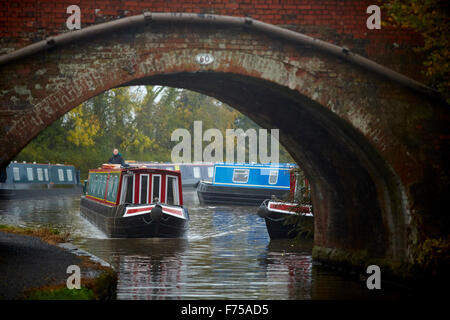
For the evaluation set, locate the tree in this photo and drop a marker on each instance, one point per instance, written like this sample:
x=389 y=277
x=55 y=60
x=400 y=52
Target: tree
x=430 y=19
x=137 y=120
x=84 y=128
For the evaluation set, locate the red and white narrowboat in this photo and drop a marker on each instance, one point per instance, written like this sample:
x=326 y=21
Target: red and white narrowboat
x=276 y=212
x=135 y=202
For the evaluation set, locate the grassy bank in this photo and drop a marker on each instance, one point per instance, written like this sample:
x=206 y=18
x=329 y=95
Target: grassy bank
x=49 y=235
x=101 y=287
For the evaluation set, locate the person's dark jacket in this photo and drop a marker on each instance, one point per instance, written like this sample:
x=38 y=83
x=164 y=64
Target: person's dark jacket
x=117 y=159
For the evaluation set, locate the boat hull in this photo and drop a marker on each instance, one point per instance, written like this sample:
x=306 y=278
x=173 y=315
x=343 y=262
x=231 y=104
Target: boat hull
x=111 y=220
x=33 y=191
x=277 y=226
x=246 y=196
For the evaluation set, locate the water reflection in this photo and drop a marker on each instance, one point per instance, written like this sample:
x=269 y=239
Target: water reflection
x=58 y=212
x=148 y=268
x=226 y=254
x=290 y=268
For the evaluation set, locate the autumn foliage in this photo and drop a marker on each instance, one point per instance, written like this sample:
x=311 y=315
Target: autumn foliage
x=430 y=19
x=138 y=121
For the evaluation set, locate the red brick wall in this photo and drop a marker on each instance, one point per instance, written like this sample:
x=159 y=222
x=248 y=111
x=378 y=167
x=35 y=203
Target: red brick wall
x=342 y=22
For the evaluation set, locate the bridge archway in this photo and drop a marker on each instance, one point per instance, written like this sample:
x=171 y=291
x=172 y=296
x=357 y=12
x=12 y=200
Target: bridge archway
x=339 y=121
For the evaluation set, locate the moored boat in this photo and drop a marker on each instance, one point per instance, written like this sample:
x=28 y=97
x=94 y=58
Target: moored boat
x=38 y=180
x=245 y=184
x=277 y=213
x=135 y=202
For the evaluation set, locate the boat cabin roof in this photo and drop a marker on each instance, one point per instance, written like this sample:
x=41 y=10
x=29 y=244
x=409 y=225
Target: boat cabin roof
x=165 y=164
x=257 y=165
x=134 y=170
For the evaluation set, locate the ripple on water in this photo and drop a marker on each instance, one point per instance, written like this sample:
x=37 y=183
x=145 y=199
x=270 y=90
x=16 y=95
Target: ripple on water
x=226 y=254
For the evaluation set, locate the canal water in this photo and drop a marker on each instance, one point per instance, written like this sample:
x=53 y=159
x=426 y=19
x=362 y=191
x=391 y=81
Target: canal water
x=226 y=254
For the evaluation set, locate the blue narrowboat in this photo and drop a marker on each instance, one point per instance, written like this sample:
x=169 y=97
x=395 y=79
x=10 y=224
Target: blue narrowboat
x=35 y=180
x=245 y=184
x=192 y=173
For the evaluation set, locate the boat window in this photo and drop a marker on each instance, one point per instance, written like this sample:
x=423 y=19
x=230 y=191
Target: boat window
x=69 y=174
x=128 y=189
x=40 y=174
x=16 y=173
x=95 y=183
x=112 y=188
x=172 y=190
x=240 y=175
x=273 y=176
x=46 y=174
x=98 y=184
x=196 y=172
x=169 y=168
x=98 y=191
x=61 y=174
x=115 y=186
x=91 y=183
x=156 y=188
x=144 y=188
x=103 y=189
x=30 y=174
x=210 y=172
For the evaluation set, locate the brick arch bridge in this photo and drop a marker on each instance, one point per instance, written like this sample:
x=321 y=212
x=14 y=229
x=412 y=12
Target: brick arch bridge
x=373 y=143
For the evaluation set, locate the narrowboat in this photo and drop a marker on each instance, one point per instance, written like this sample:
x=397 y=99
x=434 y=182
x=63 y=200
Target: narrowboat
x=245 y=184
x=37 y=180
x=276 y=213
x=192 y=173
x=135 y=202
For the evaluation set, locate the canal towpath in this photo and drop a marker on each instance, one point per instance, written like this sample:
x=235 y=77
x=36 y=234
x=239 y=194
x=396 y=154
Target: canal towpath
x=27 y=262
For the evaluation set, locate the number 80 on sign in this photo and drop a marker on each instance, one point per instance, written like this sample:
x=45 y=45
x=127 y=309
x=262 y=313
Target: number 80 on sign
x=204 y=58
